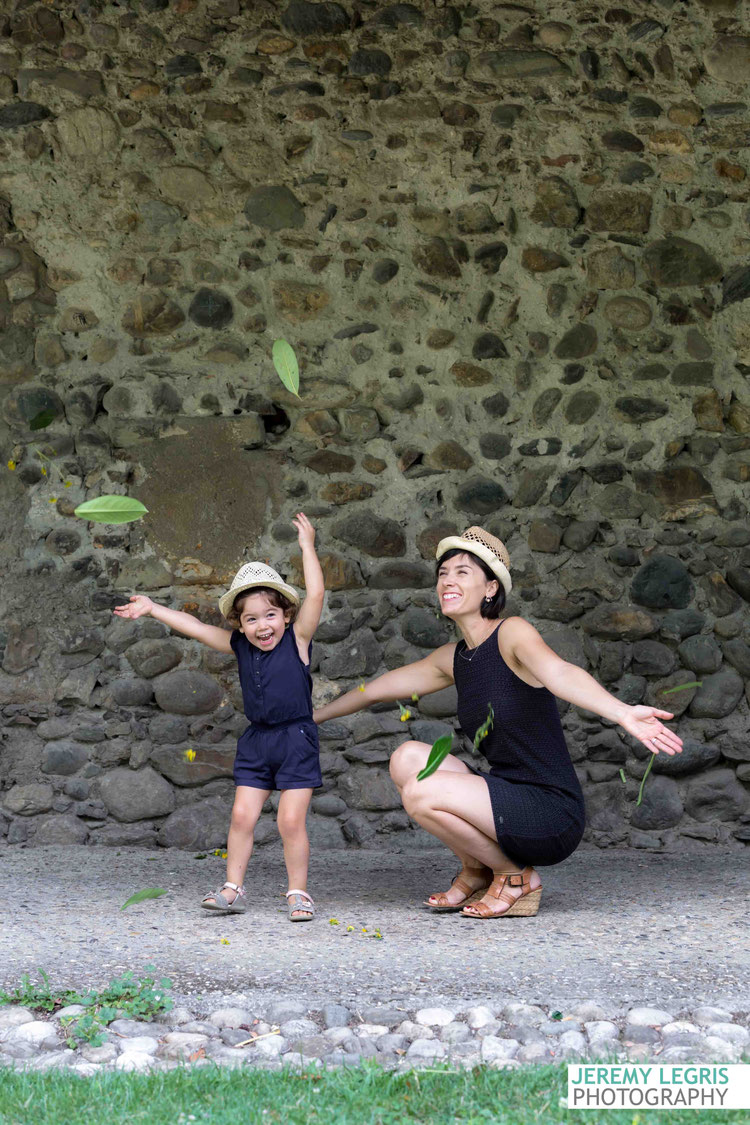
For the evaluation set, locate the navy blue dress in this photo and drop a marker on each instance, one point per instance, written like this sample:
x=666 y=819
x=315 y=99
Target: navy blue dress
x=279 y=750
x=537 y=801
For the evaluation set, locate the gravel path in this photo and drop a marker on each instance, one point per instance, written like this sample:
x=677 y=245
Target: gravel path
x=617 y=927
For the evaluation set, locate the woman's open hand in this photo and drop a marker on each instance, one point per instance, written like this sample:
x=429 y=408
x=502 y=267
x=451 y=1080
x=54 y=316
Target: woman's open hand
x=139 y=606
x=643 y=723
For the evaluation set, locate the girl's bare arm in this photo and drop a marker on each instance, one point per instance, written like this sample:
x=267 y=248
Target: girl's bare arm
x=185 y=623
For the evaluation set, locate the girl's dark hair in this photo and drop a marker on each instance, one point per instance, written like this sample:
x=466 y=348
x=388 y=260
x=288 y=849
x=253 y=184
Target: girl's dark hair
x=495 y=606
x=275 y=597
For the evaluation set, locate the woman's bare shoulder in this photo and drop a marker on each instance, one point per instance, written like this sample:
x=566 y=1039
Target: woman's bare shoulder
x=443 y=659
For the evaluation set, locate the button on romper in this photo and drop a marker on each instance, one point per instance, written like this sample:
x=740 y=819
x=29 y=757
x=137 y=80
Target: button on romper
x=537 y=801
x=279 y=750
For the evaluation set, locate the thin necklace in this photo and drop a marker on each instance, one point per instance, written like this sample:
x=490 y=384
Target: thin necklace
x=476 y=648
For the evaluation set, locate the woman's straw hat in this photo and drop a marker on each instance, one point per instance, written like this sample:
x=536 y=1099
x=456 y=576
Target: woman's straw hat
x=255 y=574
x=477 y=541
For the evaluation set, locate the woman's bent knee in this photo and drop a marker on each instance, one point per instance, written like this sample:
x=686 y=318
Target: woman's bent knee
x=407 y=760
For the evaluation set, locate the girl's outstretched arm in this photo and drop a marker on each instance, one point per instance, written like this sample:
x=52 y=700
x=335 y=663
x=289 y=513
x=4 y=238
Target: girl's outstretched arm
x=312 y=607
x=141 y=606
x=421 y=678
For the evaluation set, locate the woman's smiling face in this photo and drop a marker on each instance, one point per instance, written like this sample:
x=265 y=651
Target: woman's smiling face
x=462 y=585
x=262 y=622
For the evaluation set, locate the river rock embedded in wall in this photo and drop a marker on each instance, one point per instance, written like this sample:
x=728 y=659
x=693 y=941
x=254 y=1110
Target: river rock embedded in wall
x=88 y=132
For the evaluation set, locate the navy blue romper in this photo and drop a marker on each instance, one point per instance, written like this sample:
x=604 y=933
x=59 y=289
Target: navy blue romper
x=279 y=750
x=537 y=801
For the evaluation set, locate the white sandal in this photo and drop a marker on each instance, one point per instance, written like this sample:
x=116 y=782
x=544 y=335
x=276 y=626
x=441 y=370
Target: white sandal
x=299 y=901
x=238 y=905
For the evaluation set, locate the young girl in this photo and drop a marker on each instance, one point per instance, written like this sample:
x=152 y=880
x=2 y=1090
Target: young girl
x=271 y=639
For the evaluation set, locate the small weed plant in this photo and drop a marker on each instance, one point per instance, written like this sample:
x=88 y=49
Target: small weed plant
x=125 y=997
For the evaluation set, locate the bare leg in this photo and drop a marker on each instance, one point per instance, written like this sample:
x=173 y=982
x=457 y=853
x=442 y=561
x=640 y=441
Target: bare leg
x=248 y=803
x=453 y=805
x=291 y=817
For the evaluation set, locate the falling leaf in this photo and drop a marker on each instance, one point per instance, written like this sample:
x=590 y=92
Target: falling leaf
x=43 y=419
x=485 y=728
x=643 y=782
x=440 y=750
x=287 y=368
x=111 y=509
x=141 y=896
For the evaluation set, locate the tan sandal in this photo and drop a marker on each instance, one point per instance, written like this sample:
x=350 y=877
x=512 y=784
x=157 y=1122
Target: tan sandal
x=525 y=906
x=471 y=894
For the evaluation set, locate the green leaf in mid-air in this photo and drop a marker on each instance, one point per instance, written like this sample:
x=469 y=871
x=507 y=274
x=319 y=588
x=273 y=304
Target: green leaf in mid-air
x=43 y=419
x=485 y=728
x=141 y=896
x=111 y=509
x=287 y=368
x=643 y=780
x=440 y=750
x=682 y=687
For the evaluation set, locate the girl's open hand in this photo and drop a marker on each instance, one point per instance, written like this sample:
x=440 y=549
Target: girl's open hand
x=643 y=723
x=139 y=606
x=305 y=530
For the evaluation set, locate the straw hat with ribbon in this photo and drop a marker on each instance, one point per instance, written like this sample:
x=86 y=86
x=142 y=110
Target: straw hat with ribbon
x=255 y=574
x=477 y=541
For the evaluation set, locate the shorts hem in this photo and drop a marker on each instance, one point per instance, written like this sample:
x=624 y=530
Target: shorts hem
x=275 y=785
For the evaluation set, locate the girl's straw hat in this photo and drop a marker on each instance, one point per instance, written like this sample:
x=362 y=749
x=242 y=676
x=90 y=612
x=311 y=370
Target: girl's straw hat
x=477 y=541
x=255 y=574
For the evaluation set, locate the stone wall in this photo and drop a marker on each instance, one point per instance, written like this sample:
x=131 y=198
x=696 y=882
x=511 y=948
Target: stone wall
x=510 y=244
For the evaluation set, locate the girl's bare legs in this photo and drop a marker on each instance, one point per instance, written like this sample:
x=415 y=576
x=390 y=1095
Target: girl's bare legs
x=291 y=817
x=248 y=803
x=453 y=805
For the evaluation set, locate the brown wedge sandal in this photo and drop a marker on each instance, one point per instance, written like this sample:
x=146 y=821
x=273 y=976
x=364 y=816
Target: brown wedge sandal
x=471 y=894
x=526 y=905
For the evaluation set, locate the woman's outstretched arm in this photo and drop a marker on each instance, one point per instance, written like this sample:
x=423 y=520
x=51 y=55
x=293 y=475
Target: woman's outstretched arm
x=421 y=678
x=576 y=686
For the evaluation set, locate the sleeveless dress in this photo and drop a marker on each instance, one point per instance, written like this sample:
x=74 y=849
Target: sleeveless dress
x=537 y=801
x=279 y=750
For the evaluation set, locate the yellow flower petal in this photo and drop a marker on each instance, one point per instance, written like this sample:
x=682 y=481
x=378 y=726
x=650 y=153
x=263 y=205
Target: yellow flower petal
x=12 y=464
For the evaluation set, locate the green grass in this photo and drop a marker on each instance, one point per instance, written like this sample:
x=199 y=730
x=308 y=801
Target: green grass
x=366 y=1095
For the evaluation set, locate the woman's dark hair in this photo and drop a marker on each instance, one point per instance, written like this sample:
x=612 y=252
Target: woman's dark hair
x=274 y=596
x=495 y=606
